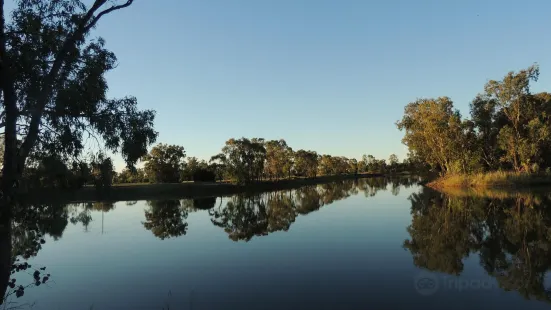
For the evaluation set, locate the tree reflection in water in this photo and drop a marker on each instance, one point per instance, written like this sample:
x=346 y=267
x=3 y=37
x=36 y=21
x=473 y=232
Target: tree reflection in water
x=511 y=235
x=246 y=216
x=21 y=237
x=243 y=217
x=166 y=218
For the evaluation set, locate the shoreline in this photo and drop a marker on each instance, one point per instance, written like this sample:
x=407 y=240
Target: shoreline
x=491 y=180
x=145 y=191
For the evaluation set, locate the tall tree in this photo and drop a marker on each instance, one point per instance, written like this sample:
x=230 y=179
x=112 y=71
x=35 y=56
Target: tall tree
x=278 y=159
x=435 y=132
x=243 y=159
x=512 y=95
x=306 y=163
x=52 y=77
x=164 y=163
x=393 y=162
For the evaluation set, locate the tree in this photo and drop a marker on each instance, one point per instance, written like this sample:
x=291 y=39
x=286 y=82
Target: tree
x=218 y=165
x=243 y=159
x=129 y=176
x=435 y=133
x=54 y=89
x=278 y=159
x=306 y=163
x=164 y=163
x=393 y=162
x=326 y=165
x=512 y=96
x=102 y=171
x=353 y=166
x=370 y=162
x=487 y=121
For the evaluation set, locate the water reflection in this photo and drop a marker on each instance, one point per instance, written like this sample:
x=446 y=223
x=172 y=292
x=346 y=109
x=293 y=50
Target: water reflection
x=166 y=218
x=242 y=217
x=21 y=237
x=246 y=216
x=511 y=235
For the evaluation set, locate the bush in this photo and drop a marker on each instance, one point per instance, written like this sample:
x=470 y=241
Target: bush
x=204 y=175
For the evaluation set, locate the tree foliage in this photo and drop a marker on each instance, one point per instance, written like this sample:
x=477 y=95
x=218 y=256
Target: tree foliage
x=306 y=163
x=54 y=88
x=509 y=128
x=279 y=159
x=243 y=159
x=164 y=163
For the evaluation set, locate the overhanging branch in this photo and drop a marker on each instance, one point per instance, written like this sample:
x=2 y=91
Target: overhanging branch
x=105 y=12
x=85 y=24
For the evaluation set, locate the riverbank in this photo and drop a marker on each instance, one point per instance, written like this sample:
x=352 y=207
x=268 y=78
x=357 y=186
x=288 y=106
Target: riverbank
x=132 y=192
x=498 y=179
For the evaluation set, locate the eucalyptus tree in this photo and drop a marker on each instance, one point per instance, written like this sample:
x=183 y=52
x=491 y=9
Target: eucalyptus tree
x=512 y=96
x=52 y=77
x=305 y=163
x=279 y=159
x=243 y=159
x=435 y=132
x=164 y=163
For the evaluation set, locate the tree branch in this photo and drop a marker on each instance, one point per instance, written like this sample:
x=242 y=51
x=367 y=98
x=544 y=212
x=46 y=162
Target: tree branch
x=105 y=12
x=83 y=27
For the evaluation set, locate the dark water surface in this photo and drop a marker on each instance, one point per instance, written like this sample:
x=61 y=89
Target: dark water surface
x=366 y=244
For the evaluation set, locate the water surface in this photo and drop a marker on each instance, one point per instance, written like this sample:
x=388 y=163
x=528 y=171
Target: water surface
x=370 y=243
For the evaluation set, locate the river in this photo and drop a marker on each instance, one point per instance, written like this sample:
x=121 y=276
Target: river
x=357 y=244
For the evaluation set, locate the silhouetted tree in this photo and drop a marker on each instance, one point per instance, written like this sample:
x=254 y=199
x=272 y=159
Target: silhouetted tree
x=54 y=87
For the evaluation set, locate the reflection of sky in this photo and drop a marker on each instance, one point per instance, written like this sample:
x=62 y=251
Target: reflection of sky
x=348 y=252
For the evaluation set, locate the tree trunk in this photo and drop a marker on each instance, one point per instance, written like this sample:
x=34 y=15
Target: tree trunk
x=10 y=169
x=5 y=254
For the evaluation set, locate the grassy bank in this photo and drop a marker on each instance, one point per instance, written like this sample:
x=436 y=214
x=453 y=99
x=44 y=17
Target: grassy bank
x=498 y=179
x=132 y=192
x=495 y=193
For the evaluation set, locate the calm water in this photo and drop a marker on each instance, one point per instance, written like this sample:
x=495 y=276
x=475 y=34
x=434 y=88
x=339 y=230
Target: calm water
x=350 y=245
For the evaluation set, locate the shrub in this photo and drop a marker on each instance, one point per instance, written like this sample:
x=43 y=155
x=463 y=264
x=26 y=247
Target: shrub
x=204 y=175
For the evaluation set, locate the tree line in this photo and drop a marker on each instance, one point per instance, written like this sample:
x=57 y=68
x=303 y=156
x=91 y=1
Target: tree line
x=248 y=160
x=241 y=161
x=509 y=129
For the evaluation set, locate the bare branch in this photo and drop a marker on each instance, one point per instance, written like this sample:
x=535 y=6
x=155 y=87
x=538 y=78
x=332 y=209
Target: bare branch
x=105 y=12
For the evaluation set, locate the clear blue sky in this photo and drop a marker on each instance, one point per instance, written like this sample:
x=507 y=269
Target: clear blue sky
x=330 y=76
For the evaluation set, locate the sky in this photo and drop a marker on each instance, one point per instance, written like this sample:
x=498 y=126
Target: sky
x=330 y=76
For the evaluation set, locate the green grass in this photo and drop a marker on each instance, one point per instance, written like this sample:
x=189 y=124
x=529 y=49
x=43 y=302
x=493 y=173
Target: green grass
x=496 y=179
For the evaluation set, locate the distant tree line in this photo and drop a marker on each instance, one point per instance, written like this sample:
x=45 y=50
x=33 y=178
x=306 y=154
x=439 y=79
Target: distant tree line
x=249 y=160
x=509 y=129
x=240 y=160
x=53 y=172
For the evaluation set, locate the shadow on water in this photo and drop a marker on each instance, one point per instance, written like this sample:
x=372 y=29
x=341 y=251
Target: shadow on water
x=511 y=236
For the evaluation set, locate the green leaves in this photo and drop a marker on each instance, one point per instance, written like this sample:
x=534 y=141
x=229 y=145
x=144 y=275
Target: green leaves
x=509 y=128
x=164 y=163
x=434 y=132
x=58 y=74
x=243 y=159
